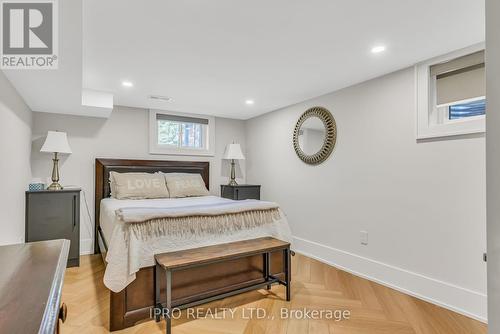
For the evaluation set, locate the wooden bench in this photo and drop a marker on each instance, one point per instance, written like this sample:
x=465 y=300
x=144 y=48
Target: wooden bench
x=166 y=263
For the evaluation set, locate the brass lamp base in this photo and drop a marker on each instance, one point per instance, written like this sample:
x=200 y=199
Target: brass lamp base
x=55 y=186
x=232 y=181
x=55 y=175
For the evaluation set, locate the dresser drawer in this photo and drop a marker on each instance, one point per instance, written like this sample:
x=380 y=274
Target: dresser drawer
x=240 y=192
x=247 y=193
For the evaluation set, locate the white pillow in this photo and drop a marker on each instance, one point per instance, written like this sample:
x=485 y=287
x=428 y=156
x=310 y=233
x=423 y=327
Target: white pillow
x=137 y=185
x=185 y=184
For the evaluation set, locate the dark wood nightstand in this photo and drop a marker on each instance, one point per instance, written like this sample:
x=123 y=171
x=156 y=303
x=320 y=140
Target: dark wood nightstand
x=241 y=191
x=55 y=214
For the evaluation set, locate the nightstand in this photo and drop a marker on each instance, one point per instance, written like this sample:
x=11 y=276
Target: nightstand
x=241 y=191
x=55 y=214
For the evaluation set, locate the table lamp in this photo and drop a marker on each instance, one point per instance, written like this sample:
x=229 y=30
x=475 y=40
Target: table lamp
x=57 y=143
x=233 y=152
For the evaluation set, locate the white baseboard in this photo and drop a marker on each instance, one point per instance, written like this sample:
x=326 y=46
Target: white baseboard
x=86 y=247
x=470 y=303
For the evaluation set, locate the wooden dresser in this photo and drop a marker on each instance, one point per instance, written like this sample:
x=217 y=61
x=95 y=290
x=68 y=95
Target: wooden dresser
x=31 y=280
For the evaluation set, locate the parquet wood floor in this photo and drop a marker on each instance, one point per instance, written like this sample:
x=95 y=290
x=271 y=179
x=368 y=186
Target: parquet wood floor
x=374 y=309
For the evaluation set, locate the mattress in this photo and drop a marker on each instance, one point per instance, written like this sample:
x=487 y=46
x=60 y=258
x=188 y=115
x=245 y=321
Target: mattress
x=127 y=255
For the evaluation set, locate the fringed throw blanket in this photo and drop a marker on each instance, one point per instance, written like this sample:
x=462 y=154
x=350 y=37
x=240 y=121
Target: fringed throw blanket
x=198 y=220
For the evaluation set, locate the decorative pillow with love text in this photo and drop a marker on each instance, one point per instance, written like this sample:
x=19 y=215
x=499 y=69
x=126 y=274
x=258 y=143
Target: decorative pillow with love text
x=138 y=185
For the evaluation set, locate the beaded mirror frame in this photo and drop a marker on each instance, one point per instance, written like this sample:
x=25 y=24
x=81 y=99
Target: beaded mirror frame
x=330 y=137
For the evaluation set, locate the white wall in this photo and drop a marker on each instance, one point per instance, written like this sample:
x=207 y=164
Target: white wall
x=423 y=203
x=493 y=160
x=123 y=135
x=15 y=148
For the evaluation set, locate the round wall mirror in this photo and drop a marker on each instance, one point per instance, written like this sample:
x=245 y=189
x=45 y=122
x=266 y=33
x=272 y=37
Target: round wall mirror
x=315 y=135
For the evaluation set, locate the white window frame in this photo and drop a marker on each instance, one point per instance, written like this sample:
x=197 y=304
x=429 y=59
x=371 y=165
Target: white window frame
x=431 y=122
x=208 y=136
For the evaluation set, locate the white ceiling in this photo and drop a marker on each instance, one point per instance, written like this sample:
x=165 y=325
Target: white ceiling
x=211 y=56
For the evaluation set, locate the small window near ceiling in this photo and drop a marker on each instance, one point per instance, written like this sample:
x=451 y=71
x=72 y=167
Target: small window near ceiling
x=173 y=133
x=451 y=91
x=460 y=88
x=187 y=133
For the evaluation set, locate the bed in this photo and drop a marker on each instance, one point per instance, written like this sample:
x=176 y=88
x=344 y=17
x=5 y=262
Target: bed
x=129 y=271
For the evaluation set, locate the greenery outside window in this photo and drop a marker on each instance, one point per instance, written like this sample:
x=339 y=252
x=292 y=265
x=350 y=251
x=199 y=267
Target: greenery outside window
x=174 y=133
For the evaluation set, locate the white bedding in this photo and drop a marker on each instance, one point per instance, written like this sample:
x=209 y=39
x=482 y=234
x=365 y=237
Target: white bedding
x=126 y=257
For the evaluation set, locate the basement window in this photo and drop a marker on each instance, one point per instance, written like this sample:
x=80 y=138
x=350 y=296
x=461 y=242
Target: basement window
x=451 y=95
x=183 y=134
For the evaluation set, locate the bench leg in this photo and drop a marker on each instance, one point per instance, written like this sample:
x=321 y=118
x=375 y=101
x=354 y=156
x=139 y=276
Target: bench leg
x=288 y=270
x=169 y=302
x=267 y=260
x=158 y=305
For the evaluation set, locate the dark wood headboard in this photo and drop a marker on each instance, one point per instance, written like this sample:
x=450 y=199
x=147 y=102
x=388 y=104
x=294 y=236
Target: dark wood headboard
x=104 y=166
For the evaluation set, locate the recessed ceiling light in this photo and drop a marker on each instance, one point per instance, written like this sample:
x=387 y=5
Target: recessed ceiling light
x=378 y=49
x=127 y=84
x=249 y=102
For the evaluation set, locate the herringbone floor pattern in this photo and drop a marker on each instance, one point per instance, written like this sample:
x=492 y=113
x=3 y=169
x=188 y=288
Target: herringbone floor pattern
x=374 y=308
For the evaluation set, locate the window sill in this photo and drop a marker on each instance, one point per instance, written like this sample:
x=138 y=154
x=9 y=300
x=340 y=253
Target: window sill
x=455 y=129
x=180 y=151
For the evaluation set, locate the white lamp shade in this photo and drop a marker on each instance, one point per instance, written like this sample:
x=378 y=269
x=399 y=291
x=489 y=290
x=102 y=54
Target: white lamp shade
x=56 y=142
x=233 y=151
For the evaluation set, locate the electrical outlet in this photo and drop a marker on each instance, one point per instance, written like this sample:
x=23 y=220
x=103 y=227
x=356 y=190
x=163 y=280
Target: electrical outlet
x=363 y=237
